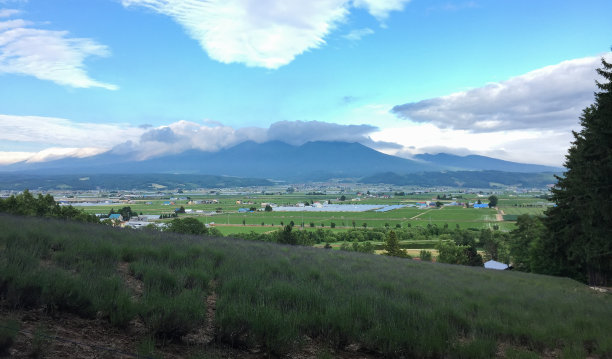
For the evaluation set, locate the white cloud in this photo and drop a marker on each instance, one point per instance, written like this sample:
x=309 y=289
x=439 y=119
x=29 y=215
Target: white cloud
x=358 y=34
x=410 y=138
x=300 y=132
x=48 y=154
x=8 y=12
x=63 y=132
x=545 y=99
x=262 y=33
x=55 y=153
x=380 y=9
x=517 y=145
x=454 y=6
x=47 y=54
x=8 y=157
x=183 y=135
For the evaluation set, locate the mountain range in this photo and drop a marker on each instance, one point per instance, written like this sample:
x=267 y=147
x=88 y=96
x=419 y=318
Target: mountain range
x=277 y=160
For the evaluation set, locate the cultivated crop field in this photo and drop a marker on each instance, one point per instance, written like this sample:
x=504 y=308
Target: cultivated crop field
x=163 y=291
x=533 y=211
x=224 y=212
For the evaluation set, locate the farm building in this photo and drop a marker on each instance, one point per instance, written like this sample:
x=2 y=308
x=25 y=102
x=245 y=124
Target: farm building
x=495 y=265
x=147 y=217
x=136 y=224
x=115 y=217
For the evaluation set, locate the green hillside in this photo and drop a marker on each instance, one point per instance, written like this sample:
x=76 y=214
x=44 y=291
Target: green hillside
x=271 y=298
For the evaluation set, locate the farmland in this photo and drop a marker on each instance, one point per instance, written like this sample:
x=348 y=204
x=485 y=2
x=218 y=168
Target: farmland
x=312 y=220
x=224 y=211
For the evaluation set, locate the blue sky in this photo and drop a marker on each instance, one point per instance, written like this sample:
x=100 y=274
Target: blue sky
x=504 y=78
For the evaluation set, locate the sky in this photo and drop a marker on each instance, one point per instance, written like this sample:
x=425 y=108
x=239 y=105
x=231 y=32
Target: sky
x=502 y=78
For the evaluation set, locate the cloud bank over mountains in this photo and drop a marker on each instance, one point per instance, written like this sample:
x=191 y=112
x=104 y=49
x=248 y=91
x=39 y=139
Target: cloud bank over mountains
x=183 y=135
x=512 y=119
x=71 y=139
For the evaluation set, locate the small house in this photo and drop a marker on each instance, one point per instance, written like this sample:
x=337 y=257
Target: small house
x=116 y=217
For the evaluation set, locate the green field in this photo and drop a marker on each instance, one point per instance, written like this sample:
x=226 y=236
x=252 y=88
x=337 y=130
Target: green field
x=227 y=230
x=227 y=208
x=451 y=216
x=533 y=211
x=272 y=297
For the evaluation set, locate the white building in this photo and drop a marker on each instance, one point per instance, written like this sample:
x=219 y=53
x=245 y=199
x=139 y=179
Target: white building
x=495 y=265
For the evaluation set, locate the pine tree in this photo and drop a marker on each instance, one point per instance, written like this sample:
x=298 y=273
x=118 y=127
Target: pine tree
x=392 y=246
x=579 y=244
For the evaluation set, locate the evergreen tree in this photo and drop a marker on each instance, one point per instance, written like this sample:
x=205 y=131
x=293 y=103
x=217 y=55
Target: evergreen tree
x=286 y=236
x=580 y=226
x=392 y=246
x=529 y=231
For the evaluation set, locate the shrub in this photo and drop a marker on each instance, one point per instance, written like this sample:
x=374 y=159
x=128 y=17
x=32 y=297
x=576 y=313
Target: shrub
x=170 y=318
x=65 y=293
x=114 y=301
x=425 y=255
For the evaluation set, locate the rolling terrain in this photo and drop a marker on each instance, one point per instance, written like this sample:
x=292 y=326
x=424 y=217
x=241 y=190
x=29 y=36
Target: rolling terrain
x=162 y=294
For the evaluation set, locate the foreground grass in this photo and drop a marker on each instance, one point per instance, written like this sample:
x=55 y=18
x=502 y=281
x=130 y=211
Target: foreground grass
x=274 y=295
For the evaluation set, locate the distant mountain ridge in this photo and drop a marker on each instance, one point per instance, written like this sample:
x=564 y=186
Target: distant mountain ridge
x=482 y=163
x=311 y=161
x=275 y=159
x=473 y=179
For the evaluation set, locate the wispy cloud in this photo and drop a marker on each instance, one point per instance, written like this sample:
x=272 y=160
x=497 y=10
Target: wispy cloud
x=454 y=6
x=47 y=54
x=358 y=34
x=548 y=98
x=380 y=9
x=48 y=154
x=262 y=33
x=8 y=12
x=62 y=132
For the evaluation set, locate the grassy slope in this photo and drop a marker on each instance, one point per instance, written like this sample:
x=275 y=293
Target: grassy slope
x=274 y=295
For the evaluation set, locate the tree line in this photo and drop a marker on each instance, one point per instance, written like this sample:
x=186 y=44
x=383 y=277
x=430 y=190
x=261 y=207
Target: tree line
x=25 y=204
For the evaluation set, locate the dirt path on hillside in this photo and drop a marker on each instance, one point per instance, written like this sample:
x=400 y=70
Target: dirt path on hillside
x=420 y=214
x=206 y=334
x=500 y=215
x=135 y=285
